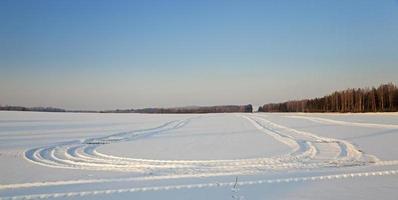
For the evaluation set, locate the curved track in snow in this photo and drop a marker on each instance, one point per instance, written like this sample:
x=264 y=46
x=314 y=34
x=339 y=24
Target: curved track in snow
x=308 y=151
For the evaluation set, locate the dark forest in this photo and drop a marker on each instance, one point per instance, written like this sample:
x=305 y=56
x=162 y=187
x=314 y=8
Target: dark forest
x=381 y=99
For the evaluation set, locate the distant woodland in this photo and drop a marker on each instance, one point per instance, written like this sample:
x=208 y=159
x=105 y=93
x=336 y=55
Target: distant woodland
x=381 y=99
x=199 y=109
x=192 y=109
x=35 y=109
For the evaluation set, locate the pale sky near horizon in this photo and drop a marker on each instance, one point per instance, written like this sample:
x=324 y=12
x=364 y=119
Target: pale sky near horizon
x=133 y=54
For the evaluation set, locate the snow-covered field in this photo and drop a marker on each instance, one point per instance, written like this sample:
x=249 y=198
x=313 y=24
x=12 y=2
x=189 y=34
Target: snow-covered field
x=204 y=156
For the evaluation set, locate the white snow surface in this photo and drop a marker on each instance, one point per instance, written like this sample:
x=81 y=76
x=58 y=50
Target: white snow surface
x=198 y=156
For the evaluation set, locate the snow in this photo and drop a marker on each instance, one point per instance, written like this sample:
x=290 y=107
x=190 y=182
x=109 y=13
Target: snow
x=204 y=138
x=198 y=156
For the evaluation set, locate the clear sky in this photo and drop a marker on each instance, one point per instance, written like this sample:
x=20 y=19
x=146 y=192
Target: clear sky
x=132 y=54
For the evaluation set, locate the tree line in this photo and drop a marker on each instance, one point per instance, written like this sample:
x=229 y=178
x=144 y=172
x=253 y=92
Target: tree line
x=199 y=109
x=33 y=109
x=192 y=109
x=381 y=99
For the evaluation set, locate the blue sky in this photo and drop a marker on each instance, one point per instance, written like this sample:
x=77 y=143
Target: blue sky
x=133 y=54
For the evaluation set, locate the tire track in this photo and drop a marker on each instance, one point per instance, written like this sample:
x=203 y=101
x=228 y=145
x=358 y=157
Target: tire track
x=345 y=123
x=65 y=155
x=305 y=154
x=204 y=185
x=308 y=152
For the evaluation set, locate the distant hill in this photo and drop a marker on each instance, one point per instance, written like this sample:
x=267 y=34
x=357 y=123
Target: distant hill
x=381 y=99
